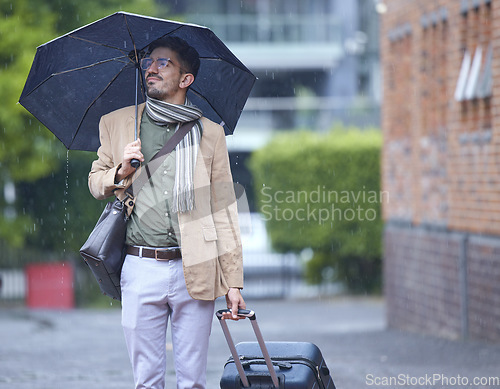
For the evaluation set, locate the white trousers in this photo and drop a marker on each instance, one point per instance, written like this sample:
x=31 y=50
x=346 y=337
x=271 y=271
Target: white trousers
x=152 y=292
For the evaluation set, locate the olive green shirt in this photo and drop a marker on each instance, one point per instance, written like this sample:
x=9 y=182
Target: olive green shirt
x=151 y=222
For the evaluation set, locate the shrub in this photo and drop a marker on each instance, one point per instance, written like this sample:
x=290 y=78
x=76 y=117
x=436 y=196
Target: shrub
x=322 y=191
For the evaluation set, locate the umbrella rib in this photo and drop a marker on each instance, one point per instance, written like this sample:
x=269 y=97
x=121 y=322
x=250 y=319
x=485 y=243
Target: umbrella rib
x=89 y=66
x=93 y=102
x=99 y=44
x=168 y=33
x=171 y=32
x=132 y=39
x=244 y=68
x=208 y=102
x=70 y=70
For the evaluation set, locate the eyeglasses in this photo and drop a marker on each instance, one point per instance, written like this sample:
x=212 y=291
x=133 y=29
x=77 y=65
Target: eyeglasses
x=160 y=63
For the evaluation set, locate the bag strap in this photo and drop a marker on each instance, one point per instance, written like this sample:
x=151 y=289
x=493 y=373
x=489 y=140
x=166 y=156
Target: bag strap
x=166 y=149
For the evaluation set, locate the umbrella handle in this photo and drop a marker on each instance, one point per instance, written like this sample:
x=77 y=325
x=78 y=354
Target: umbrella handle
x=135 y=163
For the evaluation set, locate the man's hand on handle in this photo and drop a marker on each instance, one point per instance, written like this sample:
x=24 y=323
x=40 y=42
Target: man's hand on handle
x=234 y=301
x=131 y=151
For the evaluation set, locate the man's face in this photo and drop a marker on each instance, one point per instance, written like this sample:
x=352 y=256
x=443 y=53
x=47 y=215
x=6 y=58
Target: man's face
x=164 y=84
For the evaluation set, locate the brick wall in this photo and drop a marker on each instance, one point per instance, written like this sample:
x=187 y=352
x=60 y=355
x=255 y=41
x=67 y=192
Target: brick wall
x=483 y=283
x=441 y=166
x=422 y=273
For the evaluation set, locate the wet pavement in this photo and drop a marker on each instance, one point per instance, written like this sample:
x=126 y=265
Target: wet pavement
x=84 y=349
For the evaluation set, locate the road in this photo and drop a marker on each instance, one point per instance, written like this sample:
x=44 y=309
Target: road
x=84 y=349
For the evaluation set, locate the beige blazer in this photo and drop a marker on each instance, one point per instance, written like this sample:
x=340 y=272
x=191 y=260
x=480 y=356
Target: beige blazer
x=210 y=235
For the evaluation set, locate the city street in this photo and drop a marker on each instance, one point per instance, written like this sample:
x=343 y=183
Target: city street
x=84 y=349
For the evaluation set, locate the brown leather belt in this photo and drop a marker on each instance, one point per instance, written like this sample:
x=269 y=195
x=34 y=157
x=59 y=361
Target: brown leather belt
x=158 y=254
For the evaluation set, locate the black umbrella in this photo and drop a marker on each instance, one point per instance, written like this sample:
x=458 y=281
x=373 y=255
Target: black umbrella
x=80 y=76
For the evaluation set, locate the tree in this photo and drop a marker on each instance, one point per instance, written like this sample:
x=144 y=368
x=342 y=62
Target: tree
x=72 y=14
x=28 y=151
x=25 y=147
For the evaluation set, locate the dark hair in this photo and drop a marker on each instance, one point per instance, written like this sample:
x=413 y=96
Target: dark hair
x=187 y=55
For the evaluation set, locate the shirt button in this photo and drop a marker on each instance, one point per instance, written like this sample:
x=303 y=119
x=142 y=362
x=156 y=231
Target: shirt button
x=166 y=192
x=165 y=171
x=166 y=214
x=169 y=234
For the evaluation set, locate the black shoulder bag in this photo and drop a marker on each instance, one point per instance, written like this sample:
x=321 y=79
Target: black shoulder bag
x=104 y=251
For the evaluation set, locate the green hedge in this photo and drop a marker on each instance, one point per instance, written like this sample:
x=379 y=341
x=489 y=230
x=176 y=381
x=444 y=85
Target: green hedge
x=322 y=191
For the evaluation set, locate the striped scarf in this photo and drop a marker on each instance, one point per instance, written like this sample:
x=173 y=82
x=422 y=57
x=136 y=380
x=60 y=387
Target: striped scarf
x=162 y=113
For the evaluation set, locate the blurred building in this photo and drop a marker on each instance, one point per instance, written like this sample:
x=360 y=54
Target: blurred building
x=316 y=62
x=441 y=166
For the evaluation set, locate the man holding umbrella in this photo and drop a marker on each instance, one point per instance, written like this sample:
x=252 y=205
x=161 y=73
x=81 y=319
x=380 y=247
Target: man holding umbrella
x=183 y=239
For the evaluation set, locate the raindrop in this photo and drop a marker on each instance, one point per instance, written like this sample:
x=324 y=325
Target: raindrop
x=65 y=201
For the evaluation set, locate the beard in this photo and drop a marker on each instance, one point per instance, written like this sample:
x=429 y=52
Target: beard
x=153 y=90
x=155 y=93
x=160 y=91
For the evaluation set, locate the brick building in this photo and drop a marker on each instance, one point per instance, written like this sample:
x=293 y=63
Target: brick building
x=441 y=165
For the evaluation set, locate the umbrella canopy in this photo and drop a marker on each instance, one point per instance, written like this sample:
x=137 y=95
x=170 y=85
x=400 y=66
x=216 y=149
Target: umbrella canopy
x=80 y=76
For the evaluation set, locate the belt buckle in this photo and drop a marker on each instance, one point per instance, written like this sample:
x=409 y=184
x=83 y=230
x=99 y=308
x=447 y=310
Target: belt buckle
x=156 y=255
x=159 y=251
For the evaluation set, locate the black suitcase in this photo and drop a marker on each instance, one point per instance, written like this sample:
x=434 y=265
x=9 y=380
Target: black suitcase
x=290 y=365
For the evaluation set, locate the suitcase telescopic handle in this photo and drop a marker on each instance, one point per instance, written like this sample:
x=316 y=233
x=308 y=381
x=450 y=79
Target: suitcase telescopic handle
x=260 y=339
x=241 y=312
